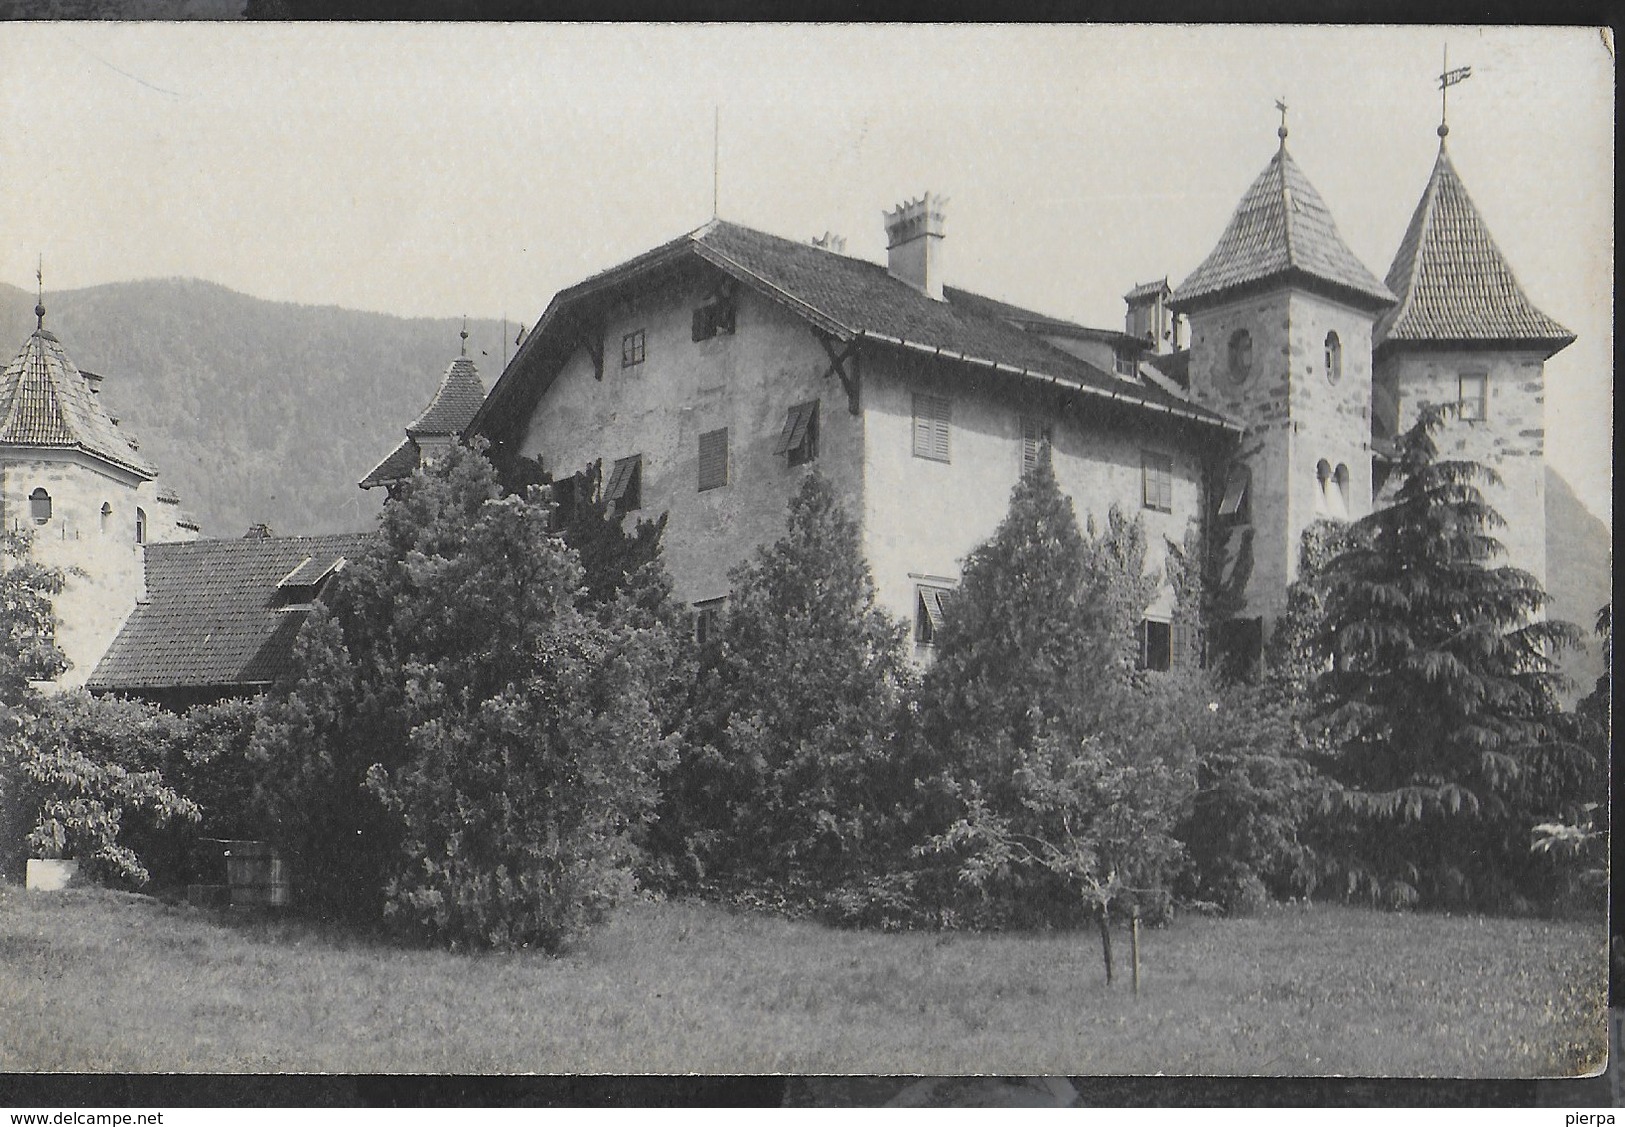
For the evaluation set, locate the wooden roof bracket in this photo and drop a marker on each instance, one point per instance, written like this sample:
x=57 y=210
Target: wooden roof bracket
x=591 y=337
x=837 y=365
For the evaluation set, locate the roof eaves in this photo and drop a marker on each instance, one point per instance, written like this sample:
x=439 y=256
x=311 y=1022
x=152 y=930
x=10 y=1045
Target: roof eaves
x=773 y=291
x=1192 y=414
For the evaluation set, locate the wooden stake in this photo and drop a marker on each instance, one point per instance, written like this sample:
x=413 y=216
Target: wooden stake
x=1106 y=944
x=1134 y=942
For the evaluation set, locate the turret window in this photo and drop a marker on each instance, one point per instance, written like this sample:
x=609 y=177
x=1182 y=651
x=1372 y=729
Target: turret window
x=39 y=506
x=1471 y=394
x=1334 y=358
x=1240 y=355
x=107 y=517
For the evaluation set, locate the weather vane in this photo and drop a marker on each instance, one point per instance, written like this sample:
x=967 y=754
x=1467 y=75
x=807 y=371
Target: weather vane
x=39 y=300
x=1447 y=79
x=1280 y=104
x=463 y=351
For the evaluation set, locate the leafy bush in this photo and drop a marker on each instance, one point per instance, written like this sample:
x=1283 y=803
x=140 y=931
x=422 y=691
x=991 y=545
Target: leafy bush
x=795 y=780
x=79 y=771
x=464 y=750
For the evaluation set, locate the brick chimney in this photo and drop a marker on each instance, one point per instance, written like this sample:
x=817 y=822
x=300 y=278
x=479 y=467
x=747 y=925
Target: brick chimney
x=914 y=244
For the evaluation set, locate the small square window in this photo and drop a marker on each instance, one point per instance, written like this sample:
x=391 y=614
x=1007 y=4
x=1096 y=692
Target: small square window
x=708 y=619
x=1035 y=444
x=1472 y=396
x=713 y=459
x=625 y=489
x=799 y=438
x=1157 y=472
x=932 y=417
x=929 y=607
x=1156 y=645
x=632 y=349
x=1123 y=363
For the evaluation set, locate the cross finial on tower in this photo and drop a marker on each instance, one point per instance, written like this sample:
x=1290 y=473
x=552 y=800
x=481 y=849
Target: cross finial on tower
x=1280 y=104
x=1447 y=79
x=39 y=300
x=463 y=351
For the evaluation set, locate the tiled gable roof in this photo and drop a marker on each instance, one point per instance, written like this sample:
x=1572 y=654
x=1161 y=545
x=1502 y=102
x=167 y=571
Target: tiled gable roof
x=214 y=614
x=401 y=463
x=1452 y=282
x=455 y=401
x=1281 y=228
x=46 y=401
x=852 y=298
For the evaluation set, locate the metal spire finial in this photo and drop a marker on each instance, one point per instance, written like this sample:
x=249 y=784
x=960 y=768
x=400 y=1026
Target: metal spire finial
x=463 y=351
x=1280 y=104
x=1447 y=79
x=39 y=300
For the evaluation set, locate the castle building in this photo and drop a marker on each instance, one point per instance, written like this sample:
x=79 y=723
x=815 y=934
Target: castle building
x=77 y=483
x=1258 y=396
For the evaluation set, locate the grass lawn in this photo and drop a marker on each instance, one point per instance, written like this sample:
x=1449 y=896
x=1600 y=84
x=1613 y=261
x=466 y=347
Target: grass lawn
x=94 y=980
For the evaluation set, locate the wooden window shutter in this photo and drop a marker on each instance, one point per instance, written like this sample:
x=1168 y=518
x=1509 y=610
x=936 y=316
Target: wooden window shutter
x=932 y=417
x=713 y=459
x=1035 y=444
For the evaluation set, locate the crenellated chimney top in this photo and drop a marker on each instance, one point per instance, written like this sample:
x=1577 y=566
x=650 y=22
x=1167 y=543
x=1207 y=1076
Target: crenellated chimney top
x=830 y=242
x=914 y=233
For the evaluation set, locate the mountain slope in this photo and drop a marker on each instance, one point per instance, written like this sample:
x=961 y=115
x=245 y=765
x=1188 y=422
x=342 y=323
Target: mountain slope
x=1579 y=575
x=254 y=410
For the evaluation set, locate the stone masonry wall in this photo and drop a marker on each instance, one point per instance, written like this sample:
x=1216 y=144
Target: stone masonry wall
x=1511 y=439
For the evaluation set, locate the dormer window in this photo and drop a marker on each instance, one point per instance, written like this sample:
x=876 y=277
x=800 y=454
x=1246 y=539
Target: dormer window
x=1123 y=363
x=301 y=585
x=714 y=317
x=39 y=506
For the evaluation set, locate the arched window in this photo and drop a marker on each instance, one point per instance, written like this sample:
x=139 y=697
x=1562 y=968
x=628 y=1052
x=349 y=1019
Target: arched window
x=1323 y=480
x=1334 y=358
x=39 y=506
x=107 y=516
x=141 y=526
x=1241 y=355
x=1340 y=491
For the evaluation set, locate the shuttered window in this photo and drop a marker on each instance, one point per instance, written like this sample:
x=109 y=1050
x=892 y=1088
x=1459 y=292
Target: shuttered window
x=625 y=489
x=713 y=459
x=799 y=438
x=1156 y=645
x=1035 y=444
x=932 y=415
x=1234 y=506
x=929 y=607
x=1157 y=470
x=708 y=619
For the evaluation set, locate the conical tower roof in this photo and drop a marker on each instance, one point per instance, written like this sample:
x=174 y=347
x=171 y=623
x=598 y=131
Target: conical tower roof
x=45 y=401
x=455 y=401
x=1453 y=285
x=448 y=414
x=1282 y=229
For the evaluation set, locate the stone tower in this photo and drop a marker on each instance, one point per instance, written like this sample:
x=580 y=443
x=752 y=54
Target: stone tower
x=1281 y=316
x=1464 y=335
x=437 y=427
x=71 y=478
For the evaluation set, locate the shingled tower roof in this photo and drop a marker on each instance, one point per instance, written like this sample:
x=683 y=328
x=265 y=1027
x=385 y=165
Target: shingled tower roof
x=45 y=401
x=1281 y=230
x=448 y=414
x=1453 y=285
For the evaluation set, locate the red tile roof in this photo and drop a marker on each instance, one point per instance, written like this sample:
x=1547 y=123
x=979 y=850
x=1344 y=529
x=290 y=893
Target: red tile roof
x=1453 y=284
x=46 y=401
x=850 y=299
x=215 y=617
x=1281 y=228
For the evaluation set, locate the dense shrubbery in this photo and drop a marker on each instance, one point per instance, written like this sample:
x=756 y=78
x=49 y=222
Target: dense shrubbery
x=795 y=782
x=465 y=749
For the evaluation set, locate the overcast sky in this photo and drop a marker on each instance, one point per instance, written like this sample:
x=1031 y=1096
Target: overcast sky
x=448 y=169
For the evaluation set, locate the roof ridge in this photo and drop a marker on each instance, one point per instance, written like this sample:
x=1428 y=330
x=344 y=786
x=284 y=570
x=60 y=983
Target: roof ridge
x=1287 y=210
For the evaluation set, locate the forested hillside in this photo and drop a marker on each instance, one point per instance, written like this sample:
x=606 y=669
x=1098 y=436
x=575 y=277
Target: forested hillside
x=1579 y=574
x=255 y=410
